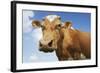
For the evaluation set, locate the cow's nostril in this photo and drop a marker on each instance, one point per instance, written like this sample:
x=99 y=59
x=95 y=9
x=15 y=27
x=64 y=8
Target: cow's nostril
x=50 y=43
x=40 y=44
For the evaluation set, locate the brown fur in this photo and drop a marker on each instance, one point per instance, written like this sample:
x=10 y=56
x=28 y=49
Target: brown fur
x=73 y=44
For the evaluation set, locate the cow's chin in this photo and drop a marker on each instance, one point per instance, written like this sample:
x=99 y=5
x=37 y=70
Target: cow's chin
x=46 y=50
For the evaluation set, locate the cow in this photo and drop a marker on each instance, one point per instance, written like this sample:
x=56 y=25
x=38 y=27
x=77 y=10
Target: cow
x=67 y=42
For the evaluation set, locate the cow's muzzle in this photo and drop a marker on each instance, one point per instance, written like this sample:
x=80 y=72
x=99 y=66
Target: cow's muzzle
x=46 y=47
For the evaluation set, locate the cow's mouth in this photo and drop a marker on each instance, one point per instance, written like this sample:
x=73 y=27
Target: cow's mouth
x=47 y=49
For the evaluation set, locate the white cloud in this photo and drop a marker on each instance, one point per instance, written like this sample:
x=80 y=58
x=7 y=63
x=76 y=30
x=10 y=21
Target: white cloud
x=37 y=34
x=33 y=57
x=27 y=26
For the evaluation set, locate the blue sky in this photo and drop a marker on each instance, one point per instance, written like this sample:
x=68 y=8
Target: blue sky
x=31 y=35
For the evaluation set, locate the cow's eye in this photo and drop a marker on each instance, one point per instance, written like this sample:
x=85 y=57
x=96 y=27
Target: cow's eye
x=58 y=26
x=43 y=27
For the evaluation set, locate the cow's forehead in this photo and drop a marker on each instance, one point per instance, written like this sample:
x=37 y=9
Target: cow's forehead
x=52 y=17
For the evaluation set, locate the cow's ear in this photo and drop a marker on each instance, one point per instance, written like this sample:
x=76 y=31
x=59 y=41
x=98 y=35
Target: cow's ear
x=36 y=23
x=68 y=24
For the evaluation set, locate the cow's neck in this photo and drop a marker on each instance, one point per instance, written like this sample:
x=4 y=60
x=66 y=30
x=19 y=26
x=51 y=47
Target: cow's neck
x=59 y=52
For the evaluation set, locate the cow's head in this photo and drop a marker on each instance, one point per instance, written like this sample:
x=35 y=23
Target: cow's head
x=50 y=29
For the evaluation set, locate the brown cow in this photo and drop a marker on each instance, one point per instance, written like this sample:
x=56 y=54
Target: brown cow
x=66 y=41
x=73 y=44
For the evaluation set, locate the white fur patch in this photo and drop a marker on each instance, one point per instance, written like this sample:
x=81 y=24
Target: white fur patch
x=51 y=17
x=83 y=56
x=72 y=28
